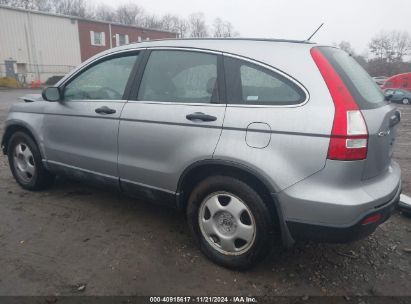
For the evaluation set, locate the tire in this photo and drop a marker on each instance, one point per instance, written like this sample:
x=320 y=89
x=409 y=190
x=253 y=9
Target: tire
x=26 y=163
x=405 y=101
x=213 y=219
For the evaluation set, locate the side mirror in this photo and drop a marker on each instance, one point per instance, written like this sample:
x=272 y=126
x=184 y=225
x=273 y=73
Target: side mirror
x=51 y=94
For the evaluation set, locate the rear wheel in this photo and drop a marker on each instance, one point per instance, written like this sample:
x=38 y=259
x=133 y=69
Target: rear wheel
x=405 y=101
x=230 y=221
x=26 y=163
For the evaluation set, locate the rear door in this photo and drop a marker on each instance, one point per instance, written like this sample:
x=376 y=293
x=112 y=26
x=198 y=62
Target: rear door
x=173 y=120
x=381 y=118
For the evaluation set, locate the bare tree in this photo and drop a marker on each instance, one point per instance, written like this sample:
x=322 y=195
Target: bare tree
x=151 y=21
x=26 y=4
x=197 y=25
x=130 y=14
x=380 y=46
x=401 y=43
x=345 y=46
x=43 y=5
x=391 y=46
x=105 y=13
x=182 y=28
x=389 y=50
x=77 y=8
x=175 y=24
x=168 y=22
x=223 y=29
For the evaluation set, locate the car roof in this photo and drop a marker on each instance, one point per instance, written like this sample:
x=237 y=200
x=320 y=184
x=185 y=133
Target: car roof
x=227 y=39
x=285 y=55
x=215 y=44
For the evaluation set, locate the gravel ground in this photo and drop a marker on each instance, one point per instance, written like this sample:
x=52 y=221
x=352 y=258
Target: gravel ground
x=77 y=240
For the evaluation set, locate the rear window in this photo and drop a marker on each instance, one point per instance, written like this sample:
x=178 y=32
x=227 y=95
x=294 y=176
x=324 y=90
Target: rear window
x=251 y=84
x=365 y=91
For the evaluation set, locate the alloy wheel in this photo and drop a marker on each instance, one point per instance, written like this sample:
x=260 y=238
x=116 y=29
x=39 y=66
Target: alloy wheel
x=227 y=223
x=24 y=162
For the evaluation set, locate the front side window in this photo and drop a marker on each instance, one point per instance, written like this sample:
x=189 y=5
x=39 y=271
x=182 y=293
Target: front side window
x=249 y=83
x=106 y=80
x=180 y=76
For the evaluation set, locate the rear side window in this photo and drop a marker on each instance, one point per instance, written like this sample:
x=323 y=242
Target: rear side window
x=248 y=83
x=180 y=76
x=365 y=91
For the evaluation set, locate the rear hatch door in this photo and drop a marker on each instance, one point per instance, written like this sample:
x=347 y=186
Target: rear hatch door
x=381 y=118
x=382 y=126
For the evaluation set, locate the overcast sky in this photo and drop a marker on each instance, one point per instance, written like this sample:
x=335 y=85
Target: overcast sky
x=353 y=20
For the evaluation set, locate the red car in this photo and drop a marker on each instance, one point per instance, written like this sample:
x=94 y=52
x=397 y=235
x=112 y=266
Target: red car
x=400 y=81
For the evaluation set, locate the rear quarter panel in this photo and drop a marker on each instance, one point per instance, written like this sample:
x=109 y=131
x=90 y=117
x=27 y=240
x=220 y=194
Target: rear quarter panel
x=299 y=135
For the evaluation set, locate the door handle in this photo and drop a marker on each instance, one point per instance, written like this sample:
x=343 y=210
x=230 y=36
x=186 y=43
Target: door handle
x=201 y=116
x=105 y=110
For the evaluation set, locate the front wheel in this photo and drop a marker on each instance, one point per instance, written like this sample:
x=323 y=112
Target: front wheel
x=405 y=101
x=26 y=163
x=230 y=222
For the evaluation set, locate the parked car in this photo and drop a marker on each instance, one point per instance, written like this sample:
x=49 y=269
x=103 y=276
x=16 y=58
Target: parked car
x=380 y=80
x=257 y=141
x=399 y=81
x=398 y=95
x=53 y=80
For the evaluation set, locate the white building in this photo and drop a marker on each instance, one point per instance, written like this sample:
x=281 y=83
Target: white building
x=37 y=45
x=30 y=40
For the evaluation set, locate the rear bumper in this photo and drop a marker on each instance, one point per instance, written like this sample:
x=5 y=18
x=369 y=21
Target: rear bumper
x=327 y=234
x=331 y=205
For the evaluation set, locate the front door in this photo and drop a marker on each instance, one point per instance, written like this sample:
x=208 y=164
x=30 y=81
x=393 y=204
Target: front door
x=80 y=132
x=175 y=120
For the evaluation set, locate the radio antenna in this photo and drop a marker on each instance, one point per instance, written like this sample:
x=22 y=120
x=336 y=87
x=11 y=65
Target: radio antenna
x=315 y=32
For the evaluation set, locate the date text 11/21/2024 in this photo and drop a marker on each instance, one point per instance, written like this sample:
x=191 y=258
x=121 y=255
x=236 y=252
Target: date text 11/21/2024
x=205 y=299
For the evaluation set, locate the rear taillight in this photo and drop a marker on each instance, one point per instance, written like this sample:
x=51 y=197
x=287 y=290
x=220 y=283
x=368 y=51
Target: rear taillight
x=371 y=219
x=349 y=135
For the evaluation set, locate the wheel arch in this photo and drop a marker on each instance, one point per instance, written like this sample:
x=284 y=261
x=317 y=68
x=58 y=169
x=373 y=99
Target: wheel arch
x=14 y=127
x=200 y=170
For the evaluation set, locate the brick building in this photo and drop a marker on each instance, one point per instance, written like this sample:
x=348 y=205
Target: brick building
x=95 y=36
x=37 y=45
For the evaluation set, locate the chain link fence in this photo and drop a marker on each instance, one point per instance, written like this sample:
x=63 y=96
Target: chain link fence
x=27 y=73
x=2 y=70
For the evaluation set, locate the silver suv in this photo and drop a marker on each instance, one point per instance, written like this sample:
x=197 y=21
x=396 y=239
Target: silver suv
x=257 y=141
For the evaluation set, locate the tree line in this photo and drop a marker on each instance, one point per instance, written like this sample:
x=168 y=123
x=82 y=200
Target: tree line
x=388 y=53
x=194 y=25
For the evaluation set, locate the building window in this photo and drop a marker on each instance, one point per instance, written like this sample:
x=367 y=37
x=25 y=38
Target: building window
x=98 y=38
x=121 y=39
